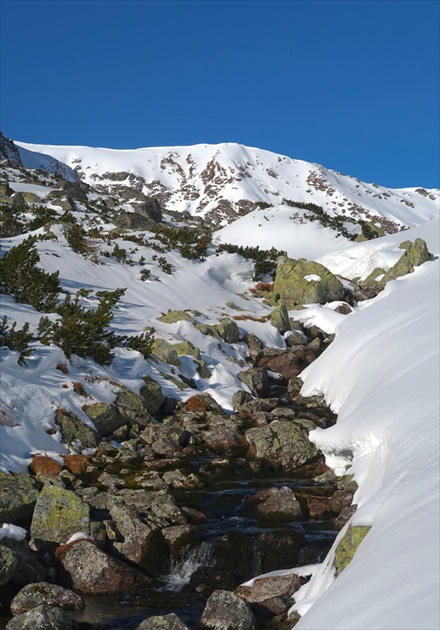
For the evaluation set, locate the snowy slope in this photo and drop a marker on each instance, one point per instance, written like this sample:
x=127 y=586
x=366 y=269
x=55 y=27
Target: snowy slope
x=223 y=181
x=381 y=376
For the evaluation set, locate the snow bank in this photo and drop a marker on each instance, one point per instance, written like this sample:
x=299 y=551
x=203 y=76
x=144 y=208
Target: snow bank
x=381 y=376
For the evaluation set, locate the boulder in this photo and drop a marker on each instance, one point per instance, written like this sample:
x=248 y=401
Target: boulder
x=305 y=282
x=42 y=618
x=256 y=379
x=289 y=363
x=279 y=503
x=228 y=330
x=33 y=595
x=132 y=407
x=202 y=403
x=150 y=208
x=152 y=395
x=240 y=398
x=162 y=622
x=175 y=316
x=165 y=352
x=133 y=221
x=222 y=434
x=18 y=495
x=58 y=514
x=18 y=564
x=282 y=443
x=280 y=318
x=74 y=432
x=226 y=611
x=93 y=572
x=265 y=588
x=105 y=417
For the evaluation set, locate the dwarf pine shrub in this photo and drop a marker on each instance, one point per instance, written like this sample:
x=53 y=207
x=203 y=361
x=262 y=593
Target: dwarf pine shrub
x=15 y=339
x=27 y=283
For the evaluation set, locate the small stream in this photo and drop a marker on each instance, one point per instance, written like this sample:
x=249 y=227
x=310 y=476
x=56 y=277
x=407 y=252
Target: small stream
x=231 y=548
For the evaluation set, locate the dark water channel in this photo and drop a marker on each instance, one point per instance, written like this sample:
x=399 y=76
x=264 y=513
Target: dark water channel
x=231 y=547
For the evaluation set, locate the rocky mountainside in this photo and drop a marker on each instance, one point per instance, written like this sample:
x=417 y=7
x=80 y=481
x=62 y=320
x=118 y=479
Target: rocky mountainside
x=223 y=182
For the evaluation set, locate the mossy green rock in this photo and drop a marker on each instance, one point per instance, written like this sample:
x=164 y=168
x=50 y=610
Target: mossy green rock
x=305 y=282
x=172 y=317
x=74 y=431
x=282 y=443
x=5 y=190
x=374 y=278
x=151 y=394
x=280 y=319
x=347 y=547
x=165 y=352
x=105 y=417
x=207 y=329
x=228 y=330
x=58 y=514
x=415 y=254
x=18 y=495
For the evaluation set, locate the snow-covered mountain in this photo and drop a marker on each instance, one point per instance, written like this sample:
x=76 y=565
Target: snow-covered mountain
x=222 y=182
x=380 y=374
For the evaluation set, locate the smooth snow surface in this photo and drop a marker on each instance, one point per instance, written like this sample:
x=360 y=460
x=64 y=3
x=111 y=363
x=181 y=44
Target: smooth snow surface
x=381 y=375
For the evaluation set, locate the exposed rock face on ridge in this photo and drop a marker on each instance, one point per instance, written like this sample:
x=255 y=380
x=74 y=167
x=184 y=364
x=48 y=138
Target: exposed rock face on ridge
x=9 y=152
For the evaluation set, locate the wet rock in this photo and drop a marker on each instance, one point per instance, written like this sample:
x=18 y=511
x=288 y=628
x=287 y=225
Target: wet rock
x=282 y=444
x=339 y=500
x=256 y=379
x=33 y=595
x=348 y=545
x=18 y=495
x=280 y=319
x=226 y=611
x=179 y=539
x=105 y=417
x=74 y=432
x=305 y=282
x=318 y=507
x=42 y=618
x=163 y=622
x=8 y=564
x=279 y=503
x=93 y=572
x=152 y=395
x=58 y=514
x=173 y=317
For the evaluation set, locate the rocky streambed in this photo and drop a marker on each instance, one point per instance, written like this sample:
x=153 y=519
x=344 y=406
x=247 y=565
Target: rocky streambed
x=186 y=507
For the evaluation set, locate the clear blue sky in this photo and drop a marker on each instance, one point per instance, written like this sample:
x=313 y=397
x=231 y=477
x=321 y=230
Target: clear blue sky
x=352 y=85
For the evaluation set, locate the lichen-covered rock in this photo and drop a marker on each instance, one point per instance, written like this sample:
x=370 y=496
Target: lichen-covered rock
x=58 y=514
x=162 y=622
x=8 y=564
x=175 y=316
x=282 y=443
x=222 y=434
x=105 y=417
x=228 y=330
x=18 y=495
x=74 y=432
x=165 y=352
x=42 y=618
x=132 y=407
x=202 y=403
x=207 y=329
x=186 y=348
x=415 y=254
x=305 y=282
x=33 y=595
x=152 y=395
x=226 y=611
x=348 y=545
x=256 y=379
x=158 y=506
x=93 y=572
x=16 y=556
x=240 y=398
x=133 y=221
x=280 y=319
